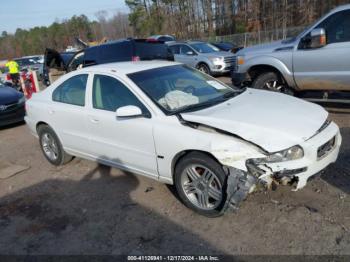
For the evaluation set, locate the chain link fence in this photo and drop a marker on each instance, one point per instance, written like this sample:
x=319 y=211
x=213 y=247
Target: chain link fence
x=260 y=37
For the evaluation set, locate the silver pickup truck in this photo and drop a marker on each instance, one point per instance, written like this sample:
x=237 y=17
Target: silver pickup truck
x=317 y=59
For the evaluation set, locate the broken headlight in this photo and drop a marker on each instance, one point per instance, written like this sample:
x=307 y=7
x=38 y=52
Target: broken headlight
x=293 y=153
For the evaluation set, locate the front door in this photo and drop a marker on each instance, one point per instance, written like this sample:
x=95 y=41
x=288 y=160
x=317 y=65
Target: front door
x=326 y=68
x=126 y=142
x=185 y=57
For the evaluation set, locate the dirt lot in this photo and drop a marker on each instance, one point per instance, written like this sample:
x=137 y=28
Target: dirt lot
x=83 y=208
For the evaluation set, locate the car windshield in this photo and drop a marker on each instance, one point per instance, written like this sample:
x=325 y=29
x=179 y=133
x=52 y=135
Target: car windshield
x=204 y=48
x=224 y=45
x=36 y=60
x=25 y=61
x=177 y=89
x=166 y=38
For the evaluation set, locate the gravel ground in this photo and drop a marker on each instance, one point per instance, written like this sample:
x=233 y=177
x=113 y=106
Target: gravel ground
x=85 y=208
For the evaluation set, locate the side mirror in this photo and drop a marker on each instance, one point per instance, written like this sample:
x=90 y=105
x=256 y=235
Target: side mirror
x=129 y=112
x=190 y=53
x=318 y=38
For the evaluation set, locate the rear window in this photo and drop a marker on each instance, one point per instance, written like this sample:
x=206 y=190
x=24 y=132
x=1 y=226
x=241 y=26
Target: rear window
x=124 y=51
x=149 y=51
x=114 y=52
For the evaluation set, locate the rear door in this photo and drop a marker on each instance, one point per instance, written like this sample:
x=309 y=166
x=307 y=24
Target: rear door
x=326 y=68
x=68 y=112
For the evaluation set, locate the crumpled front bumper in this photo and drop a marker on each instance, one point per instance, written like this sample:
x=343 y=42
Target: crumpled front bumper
x=241 y=183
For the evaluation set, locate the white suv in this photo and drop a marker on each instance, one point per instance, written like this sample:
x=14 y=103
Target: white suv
x=203 y=56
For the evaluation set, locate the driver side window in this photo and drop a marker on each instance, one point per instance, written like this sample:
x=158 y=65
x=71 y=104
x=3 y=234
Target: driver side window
x=184 y=49
x=110 y=94
x=337 y=27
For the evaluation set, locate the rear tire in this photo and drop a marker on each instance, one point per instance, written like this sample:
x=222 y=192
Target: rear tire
x=200 y=182
x=272 y=82
x=52 y=147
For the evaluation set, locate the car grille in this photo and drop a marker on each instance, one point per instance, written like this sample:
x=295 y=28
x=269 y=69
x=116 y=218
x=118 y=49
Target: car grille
x=7 y=107
x=231 y=60
x=326 y=148
x=11 y=113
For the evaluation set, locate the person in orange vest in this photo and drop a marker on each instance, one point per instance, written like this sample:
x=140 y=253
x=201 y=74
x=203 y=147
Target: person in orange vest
x=13 y=68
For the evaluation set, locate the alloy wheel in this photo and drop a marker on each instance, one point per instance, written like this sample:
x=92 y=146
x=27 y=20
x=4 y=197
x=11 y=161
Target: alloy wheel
x=49 y=146
x=274 y=85
x=203 y=69
x=202 y=187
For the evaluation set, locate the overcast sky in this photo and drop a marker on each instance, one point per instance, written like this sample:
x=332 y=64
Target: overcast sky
x=27 y=14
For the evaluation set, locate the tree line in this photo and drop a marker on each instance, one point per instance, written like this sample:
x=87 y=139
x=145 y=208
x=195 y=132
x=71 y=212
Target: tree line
x=205 y=18
x=186 y=19
x=61 y=34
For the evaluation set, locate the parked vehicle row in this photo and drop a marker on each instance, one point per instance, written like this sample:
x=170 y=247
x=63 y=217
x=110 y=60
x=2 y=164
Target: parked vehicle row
x=201 y=55
x=316 y=59
x=172 y=123
x=57 y=64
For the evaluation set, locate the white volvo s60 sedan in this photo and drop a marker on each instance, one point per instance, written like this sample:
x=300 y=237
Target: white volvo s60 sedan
x=169 y=122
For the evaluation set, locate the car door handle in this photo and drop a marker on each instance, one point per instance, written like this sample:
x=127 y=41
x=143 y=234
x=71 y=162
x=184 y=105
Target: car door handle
x=51 y=111
x=94 y=120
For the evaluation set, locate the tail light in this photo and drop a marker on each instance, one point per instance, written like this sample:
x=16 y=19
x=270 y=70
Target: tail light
x=8 y=77
x=135 y=58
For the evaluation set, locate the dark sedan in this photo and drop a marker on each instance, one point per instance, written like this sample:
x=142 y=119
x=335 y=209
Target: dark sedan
x=12 y=108
x=226 y=46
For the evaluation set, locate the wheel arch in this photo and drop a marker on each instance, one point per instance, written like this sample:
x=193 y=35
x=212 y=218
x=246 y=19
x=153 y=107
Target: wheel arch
x=265 y=64
x=43 y=123
x=184 y=153
x=202 y=63
x=40 y=123
x=255 y=71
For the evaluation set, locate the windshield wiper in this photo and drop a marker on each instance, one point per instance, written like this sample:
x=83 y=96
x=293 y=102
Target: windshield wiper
x=196 y=106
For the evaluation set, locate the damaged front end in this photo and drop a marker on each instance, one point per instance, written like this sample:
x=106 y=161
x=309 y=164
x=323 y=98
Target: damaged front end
x=259 y=175
x=249 y=166
x=239 y=184
x=256 y=169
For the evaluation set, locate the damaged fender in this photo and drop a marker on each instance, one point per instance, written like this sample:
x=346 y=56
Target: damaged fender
x=239 y=184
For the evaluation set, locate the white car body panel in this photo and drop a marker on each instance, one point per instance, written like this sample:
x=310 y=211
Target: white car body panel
x=282 y=121
x=253 y=120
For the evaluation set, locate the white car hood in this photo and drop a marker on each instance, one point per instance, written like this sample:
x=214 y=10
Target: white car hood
x=270 y=120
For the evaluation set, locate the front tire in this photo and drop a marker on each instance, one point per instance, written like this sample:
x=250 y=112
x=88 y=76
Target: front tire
x=201 y=184
x=204 y=68
x=52 y=147
x=272 y=82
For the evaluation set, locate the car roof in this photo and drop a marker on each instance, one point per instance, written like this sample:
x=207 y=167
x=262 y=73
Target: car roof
x=341 y=8
x=129 y=67
x=187 y=42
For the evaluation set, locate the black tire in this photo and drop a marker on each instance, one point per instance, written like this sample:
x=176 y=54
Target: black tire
x=62 y=156
x=204 y=68
x=197 y=158
x=267 y=81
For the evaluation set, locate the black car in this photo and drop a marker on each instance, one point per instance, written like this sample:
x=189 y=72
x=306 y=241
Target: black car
x=12 y=104
x=57 y=64
x=226 y=46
